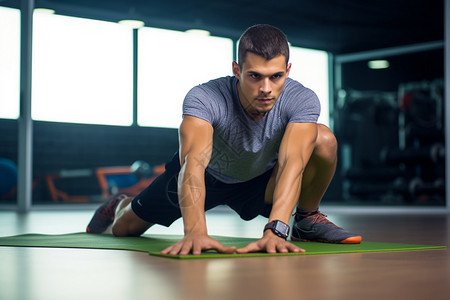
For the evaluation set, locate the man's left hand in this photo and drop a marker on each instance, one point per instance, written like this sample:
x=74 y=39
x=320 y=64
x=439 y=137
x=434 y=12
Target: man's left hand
x=270 y=243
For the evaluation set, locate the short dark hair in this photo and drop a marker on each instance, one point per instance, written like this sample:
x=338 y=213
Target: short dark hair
x=263 y=40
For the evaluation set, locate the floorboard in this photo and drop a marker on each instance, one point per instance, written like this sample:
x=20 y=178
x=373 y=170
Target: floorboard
x=41 y=273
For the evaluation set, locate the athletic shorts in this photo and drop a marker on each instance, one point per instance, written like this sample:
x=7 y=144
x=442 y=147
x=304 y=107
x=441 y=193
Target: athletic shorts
x=158 y=203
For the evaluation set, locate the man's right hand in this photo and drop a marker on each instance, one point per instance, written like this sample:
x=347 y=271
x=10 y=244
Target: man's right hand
x=195 y=244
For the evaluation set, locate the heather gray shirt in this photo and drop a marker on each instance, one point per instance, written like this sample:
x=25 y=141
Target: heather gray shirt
x=242 y=148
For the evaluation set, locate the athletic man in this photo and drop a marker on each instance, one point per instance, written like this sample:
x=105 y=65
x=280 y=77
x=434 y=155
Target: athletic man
x=251 y=142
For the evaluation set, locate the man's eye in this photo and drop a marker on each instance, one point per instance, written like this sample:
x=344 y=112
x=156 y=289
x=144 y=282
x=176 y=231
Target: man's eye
x=254 y=76
x=276 y=76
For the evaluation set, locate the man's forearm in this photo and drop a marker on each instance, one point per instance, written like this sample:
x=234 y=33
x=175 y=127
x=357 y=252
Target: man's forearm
x=295 y=151
x=191 y=195
x=287 y=190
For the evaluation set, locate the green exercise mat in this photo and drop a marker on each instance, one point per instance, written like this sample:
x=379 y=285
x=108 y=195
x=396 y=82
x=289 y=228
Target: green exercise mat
x=153 y=244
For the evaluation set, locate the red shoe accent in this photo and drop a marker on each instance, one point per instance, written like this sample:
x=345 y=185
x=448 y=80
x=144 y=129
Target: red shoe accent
x=352 y=240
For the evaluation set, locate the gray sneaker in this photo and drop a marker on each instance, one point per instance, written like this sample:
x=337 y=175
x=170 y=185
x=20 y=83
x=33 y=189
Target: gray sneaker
x=315 y=227
x=104 y=215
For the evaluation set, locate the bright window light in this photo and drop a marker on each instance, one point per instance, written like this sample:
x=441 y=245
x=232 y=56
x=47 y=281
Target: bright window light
x=133 y=24
x=9 y=62
x=44 y=10
x=378 y=64
x=198 y=32
x=82 y=71
x=170 y=64
x=310 y=68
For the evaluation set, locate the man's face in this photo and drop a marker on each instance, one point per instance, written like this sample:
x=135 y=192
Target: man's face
x=260 y=83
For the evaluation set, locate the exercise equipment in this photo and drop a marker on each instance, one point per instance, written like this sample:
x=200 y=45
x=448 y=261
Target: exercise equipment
x=8 y=179
x=392 y=144
x=153 y=244
x=414 y=187
x=141 y=169
x=129 y=180
x=434 y=153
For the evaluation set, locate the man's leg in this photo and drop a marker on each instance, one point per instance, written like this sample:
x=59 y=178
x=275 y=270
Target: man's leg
x=310 y=224
x=319 y=171
x=117 y=217
x=126 y=222
x=157 y=203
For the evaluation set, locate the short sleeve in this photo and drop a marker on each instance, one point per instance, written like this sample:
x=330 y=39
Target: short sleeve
x=196 y=104
x=301 y=104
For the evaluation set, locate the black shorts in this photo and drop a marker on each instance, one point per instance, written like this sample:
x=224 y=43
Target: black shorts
x=158 y=203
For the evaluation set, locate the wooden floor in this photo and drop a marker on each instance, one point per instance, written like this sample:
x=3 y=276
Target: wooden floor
x=41 y=273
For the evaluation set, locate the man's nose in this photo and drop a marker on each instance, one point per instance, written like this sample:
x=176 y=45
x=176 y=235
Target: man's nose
x=266 y=87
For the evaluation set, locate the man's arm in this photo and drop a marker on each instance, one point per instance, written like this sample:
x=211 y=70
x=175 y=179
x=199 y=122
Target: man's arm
x=295 y=151
x=195 y=153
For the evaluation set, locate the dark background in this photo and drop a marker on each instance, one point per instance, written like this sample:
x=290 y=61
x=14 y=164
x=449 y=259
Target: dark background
x=366 y=111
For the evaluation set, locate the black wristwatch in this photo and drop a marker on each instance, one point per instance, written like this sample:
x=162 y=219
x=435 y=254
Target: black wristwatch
x=279 y=228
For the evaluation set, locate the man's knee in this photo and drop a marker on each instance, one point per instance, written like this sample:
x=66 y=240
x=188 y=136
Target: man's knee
x=326 y=143
x=119 y=228
x=127 y=223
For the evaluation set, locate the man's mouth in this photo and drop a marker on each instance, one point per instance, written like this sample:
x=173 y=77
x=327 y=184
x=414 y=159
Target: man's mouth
x=264 y=100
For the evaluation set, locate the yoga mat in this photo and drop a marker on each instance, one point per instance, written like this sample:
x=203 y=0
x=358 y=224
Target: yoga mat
x=153 y=244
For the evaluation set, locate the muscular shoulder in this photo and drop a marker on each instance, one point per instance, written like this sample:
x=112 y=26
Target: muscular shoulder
x=210 y=100
x=294 y=90
x=213 y=89
x=299 y=103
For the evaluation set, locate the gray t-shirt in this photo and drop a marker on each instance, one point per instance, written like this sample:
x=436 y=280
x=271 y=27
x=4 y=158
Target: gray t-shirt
x=243 y=148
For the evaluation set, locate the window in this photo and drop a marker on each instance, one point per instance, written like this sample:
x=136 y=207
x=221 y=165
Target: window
x=82 y=71
x=310 y=68
x=9 y=62
x=170 y=64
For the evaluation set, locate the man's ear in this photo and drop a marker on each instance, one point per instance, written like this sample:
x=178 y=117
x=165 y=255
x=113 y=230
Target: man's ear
x=288 y=69
x=236 y=70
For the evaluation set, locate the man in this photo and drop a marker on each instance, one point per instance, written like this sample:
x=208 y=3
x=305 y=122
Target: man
x=250 y=142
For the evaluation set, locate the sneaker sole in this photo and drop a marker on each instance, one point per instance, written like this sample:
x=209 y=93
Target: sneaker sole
x=350 y=240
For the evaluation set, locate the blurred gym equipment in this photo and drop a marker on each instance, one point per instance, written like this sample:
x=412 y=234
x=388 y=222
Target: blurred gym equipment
x=8 y=180
x=129 y=180
x=392 y=144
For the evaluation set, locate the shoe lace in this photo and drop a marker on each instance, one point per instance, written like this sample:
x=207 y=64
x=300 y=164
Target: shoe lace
x=317 y=217
x=321 y=218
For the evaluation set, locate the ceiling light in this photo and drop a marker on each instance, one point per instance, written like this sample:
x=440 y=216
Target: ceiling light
x=47 y=11
x=199 y=32
x=132 y=23
x=378 y=64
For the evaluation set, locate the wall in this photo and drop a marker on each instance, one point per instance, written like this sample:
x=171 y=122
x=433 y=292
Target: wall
x=63 y=146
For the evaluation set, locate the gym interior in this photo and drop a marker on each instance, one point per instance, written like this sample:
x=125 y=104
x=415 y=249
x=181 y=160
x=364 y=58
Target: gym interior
x=385 y=72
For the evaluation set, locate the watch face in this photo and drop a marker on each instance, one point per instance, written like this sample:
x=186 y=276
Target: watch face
x=282 y=228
